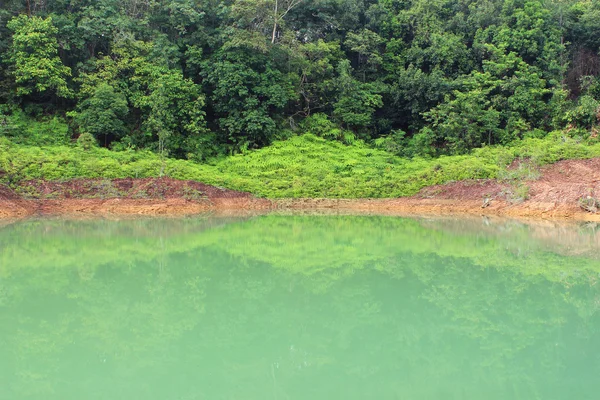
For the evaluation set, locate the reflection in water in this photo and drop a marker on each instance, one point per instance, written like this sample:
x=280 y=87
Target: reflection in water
x=298 y=307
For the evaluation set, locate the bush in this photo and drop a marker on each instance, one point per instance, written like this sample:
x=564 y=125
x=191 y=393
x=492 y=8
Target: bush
x=303 y=166
x=319 y=124
x=86 y=141
x=21 y=129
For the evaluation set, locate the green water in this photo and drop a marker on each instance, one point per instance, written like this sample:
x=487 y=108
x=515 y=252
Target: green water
x=299 y=307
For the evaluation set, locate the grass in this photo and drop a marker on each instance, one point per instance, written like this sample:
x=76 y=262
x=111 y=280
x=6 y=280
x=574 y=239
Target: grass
x=303 y=166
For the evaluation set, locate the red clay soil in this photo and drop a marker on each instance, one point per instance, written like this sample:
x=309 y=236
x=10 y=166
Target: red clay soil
x=128 y=188
x=11 y=205
x=555 y=195
x=151 y=196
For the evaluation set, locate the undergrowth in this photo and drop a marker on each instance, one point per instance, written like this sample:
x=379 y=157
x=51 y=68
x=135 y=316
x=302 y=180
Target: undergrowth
x=303 y=166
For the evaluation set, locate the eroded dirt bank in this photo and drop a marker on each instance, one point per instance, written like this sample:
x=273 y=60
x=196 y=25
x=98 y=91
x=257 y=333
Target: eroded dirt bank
x=554 y=194
x=121 y=196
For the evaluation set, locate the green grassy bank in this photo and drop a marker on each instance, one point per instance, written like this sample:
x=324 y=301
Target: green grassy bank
x=303 y=166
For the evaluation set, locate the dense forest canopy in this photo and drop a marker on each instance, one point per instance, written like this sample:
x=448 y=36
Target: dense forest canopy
x=198 y=78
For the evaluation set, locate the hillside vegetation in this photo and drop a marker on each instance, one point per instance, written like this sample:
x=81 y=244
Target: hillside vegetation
x=303 y=166
x=337 y=98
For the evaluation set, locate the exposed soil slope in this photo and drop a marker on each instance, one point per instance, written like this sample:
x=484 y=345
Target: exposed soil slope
x=151 y=196
x=11 y=205
x=561 y=183
x=129 y=188
x=555 y=194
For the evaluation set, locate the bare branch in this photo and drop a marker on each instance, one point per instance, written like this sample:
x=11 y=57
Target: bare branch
x=276 y=18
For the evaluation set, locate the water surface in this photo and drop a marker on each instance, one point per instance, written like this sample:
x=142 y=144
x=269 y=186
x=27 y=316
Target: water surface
x=299 y=307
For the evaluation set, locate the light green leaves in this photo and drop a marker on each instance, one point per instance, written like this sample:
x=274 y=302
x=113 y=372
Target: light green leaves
x=34 y=55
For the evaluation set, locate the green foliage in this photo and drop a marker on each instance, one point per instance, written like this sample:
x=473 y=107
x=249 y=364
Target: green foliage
x=308 y=166
x=584 y=114
x=163 y=102
x=21 y=129
x=499 y=105
x=414 y=92
x=86 y=141
x=198 y=80
x=102 y=115
x=320 y=125
x=316 y=65
x=246 y=93
x=465 y=121
x=357 y=101
x=366 y=44
x=34 y=55
x=525 y=170
x=302 y=166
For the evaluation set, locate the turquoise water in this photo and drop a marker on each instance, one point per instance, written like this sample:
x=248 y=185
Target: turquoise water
x=299 y=307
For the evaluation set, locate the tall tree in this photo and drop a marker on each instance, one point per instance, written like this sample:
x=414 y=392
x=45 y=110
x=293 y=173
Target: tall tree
x=34 y=56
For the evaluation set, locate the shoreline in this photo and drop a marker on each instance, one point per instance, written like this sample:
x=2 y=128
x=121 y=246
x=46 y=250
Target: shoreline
x=23 y=208
x=554 y=193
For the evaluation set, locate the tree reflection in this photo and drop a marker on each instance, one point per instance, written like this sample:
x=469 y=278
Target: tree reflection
x=292 y=307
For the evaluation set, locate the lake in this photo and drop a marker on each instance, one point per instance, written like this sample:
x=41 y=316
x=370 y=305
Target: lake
x=299 y=307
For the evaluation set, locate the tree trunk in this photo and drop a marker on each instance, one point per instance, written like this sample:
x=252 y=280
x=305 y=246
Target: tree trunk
x=274 y=23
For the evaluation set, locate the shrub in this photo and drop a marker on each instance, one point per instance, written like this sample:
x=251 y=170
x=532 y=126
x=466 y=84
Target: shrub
x=21 y=129
x=86 y=141
x=303 y=166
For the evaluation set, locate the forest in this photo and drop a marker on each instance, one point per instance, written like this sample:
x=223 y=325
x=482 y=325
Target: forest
x=201 y=80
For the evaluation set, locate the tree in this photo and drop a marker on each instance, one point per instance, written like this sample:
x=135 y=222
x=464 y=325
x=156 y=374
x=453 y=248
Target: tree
x=247 y=94
x=102 y=114
x=315 y=64
x=263 y=15
x=162 y=102
x=357 y=101
x=174 y=112
x=413 y=92
x=464 y=121
x=366 y=44
x=34 y=56
x=250 y=69
x=281 y=9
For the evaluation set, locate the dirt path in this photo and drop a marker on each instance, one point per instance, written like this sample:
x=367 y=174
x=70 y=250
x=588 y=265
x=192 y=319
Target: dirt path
x=554 y=195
